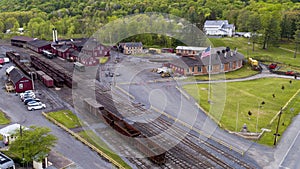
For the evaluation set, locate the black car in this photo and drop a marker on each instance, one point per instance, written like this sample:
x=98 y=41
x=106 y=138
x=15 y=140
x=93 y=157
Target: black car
x=30 y=99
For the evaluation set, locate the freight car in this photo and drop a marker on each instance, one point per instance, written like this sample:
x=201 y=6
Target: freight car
x=15 y=58
x=59 y=74
x=48 y=81
x=146 y=146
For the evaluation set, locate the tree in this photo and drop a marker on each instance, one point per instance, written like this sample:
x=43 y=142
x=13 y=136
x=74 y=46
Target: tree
x=297 y=38
x=270 y=28
x=32 y=142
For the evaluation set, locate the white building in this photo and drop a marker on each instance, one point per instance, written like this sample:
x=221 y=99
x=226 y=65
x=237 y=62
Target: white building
x=9 y=132
x=219 y=28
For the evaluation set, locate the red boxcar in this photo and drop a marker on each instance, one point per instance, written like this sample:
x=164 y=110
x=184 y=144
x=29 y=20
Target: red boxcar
x=48 y=81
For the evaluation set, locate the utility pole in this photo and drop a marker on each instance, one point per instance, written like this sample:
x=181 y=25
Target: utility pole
x=277 y=128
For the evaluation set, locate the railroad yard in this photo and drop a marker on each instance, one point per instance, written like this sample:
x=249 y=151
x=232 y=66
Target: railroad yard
x=131 y=104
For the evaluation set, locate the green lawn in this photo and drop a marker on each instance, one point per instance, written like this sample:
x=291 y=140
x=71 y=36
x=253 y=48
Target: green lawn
x=92 y=138
x=243 y=72
x=66 y=117
x=246 y=96
x=272 y=54
x=3 y=119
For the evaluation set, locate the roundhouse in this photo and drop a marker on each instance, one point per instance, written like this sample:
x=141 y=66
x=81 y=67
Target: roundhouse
x=220 y=60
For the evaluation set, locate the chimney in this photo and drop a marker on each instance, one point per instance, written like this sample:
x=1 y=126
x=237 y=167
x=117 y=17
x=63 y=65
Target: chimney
x=56 y=39
x=53 y=34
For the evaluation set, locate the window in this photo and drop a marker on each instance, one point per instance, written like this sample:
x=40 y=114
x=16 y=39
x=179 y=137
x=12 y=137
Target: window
x=193 y=69
x=188 y=70
x=199 y=69
x=21 y=86
x=230 y=65
x=209 y=68
x=221 y=67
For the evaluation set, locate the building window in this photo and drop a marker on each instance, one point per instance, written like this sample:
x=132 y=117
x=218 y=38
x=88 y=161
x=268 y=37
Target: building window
x=199 y=69
x=188 y=70
x=193 y=69
x=20 y=86
x=210 y=68
x=221 y=67
x=230 y=65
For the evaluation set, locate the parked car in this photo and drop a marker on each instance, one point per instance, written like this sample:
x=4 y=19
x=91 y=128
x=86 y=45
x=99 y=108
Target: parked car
x=272 y=66
x=289 y=72
x=28 y=95
x=37 y=107
x=26 y=101
x=26 y=92
x=34 y=103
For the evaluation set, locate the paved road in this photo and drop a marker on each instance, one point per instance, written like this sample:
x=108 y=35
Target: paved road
x=67 y=145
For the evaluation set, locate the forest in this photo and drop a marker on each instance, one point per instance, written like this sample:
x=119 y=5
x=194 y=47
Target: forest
x=274 y=20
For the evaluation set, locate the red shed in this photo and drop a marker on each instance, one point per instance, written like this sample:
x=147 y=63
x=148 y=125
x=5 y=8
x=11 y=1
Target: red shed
x=20 y=81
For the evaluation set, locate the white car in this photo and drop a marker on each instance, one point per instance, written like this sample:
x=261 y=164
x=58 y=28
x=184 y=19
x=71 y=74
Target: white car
x=28 y=95
x=37 y=107
x=27 y=92
x=34 y=103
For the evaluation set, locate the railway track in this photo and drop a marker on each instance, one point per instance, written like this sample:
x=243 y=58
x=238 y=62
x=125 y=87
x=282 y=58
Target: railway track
x=184 y=158
x=161 y=124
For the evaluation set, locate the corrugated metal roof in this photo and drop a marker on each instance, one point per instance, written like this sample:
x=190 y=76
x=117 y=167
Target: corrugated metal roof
x=16 y=75
x=39 y=43
x=132 y=44
x=22 y=38
x=191 y=48
x=215 y=22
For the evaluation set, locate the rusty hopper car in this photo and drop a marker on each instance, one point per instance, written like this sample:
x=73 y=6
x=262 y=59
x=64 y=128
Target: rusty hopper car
x=120 y=125
x=149 y=148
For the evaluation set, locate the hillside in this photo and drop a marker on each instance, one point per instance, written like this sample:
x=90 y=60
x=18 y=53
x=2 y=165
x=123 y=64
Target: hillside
x=274 y=19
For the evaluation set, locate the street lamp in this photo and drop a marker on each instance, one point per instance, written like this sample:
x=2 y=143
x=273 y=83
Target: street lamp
x=277 y=128
x=32 y=81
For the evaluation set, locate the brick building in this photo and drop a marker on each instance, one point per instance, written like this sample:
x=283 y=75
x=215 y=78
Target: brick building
x=220 y=60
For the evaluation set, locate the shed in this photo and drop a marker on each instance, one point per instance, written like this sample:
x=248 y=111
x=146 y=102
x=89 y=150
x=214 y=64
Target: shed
x=20 y=41
x=20 y=81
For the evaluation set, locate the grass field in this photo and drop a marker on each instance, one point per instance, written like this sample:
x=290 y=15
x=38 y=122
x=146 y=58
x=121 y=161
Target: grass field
x=96 y=141
x=66 y=117
x=3 y=119
x=272 y=54
x=242 y=97
x=70 y=120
